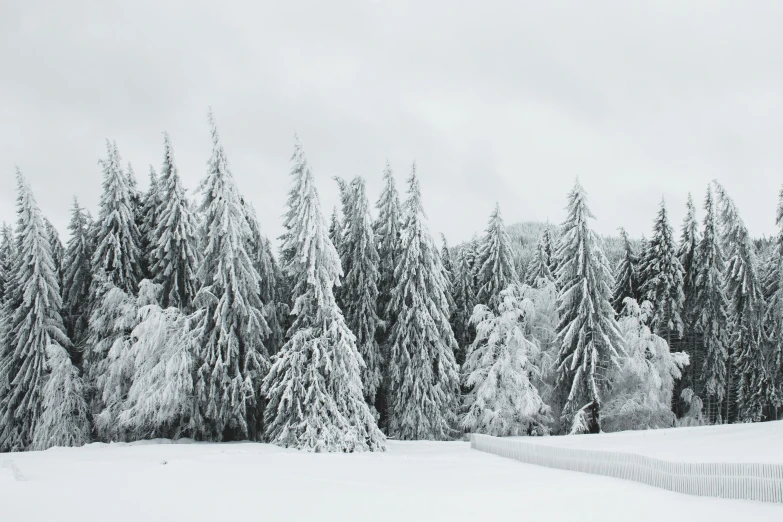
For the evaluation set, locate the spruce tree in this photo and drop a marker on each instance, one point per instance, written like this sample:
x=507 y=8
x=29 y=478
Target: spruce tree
x=539 y=271
x=314 y=386
x=360 y=286
x=335 y=228
x=117 y=254
x=7 y=252
x=34 y=326
x=151 y=209
x=587 y=334
x=711 y=319
x=626 y=279
x=754 y=387
x=686 y=253
x=77 y=279
x=58 y=251
x=229 y=318
x=445 y=257
x=663 y=279
x=495 y=260
x=387 y=235
x=64 y=414
x=270 y=281
x=464 y=302
x=423 y=379
x=502 y=400
x=174 y=255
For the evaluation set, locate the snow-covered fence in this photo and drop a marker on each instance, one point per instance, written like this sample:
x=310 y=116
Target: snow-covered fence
x=762 y=482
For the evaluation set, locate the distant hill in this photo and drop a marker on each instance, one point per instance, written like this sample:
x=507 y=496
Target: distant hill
x=524 y=238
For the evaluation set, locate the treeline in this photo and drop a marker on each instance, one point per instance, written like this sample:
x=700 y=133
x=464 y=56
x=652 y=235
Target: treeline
x=167 y=316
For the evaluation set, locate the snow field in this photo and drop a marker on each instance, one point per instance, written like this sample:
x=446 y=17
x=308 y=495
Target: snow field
x=427 y=481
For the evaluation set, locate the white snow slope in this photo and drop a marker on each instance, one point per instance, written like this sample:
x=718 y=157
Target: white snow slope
x=761 y=442
x=414 y=481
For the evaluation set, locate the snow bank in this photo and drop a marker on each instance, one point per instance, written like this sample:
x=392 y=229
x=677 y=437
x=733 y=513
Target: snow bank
x=746 y=443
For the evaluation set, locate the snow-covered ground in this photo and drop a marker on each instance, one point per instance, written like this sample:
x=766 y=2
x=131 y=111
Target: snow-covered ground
x=760 y=442
x=415 y=481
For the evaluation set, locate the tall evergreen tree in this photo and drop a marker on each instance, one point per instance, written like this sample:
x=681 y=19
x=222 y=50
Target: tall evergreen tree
x=58 y=251
x=539 y=271
x=387 y=235
x=77 y=279
x=34 y=326
x=359 y=289
x=627 y=278
x=151 y=208
x=686 y=253
x=445 y=257
x=464 y=302
x=711 y=312
x=117 y=253
x=7 y=252
x=174 y=255
x=754 y=387
x=230 y=324
x=314 y=385
x=270 y=281
x=662 y=276
x=335 y=228
x=587 y=333
x=422 y=371
x=496 y=261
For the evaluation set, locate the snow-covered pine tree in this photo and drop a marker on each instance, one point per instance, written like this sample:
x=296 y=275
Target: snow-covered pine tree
x=496 y=261
x=335 y=228
x=663 y=279
x=773 y=316
x=77 y=280
x=174 y=255
x=711 y=320
x=270 y=279
x=7 y=253
x=686 y=253
x=644 y=380
x=549 y=250
x=464 y=302
x=587 y=334
x=626 y=282
x=445 y=257
x=754 y=388
x=502 y=400
x=359 y=289
x=137 y=204
x=314 y=386
x=117 y=254
x=423 y=378
x=58 y=251
x=298 y=169
x=161 y=359
x=387 y=229
x=34 y=326
x=151 y=209
x=539 y=271
x=64 y=414
x=229 y=317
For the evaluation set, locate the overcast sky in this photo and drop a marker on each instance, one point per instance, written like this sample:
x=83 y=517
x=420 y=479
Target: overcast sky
x=496 y=101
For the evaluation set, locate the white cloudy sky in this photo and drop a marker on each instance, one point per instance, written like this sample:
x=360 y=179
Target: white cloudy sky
x=496 y=101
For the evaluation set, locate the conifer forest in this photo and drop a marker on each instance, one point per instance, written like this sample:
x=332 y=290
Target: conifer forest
x=167 y=313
